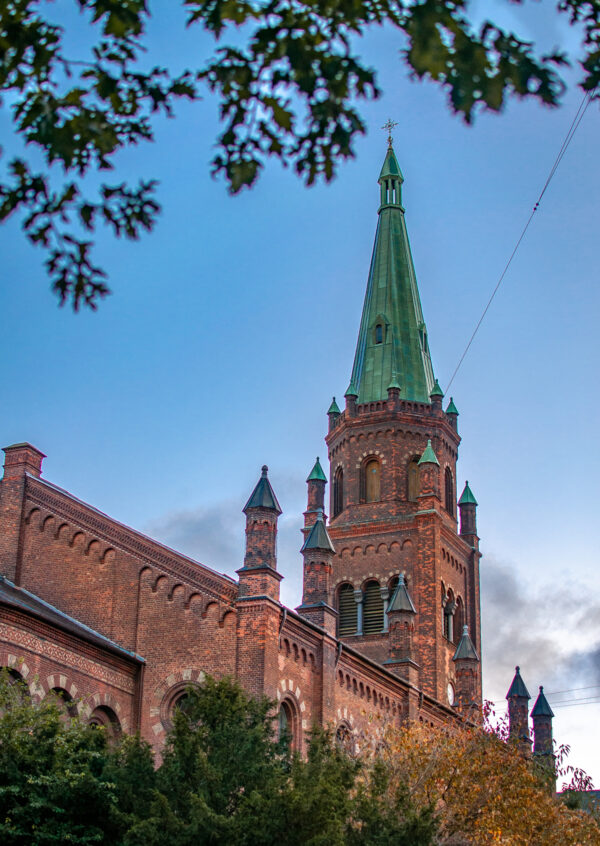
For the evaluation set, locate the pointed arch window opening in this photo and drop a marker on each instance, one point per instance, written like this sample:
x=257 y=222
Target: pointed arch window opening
x=459 y=621
x=338 y=492
x=449 y=606
x=379 y=334
x=449 y=492
x=285 y=725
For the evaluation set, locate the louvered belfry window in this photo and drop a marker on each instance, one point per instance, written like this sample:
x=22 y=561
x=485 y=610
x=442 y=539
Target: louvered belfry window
x=372 y=609
x=348 y=611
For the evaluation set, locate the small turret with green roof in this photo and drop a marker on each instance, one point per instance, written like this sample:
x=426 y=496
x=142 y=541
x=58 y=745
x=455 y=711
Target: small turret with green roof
x=466 y=497
x=263 y=495
x=436 y=391
x=452 y=409
x=317 y=474
x=318 y=537
x=467 y=505
x=351 y=390
x=541 y=707
x=465 y=651
x=333 y=408
x=429 y=456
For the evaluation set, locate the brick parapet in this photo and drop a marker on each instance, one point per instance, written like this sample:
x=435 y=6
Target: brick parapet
x=97 y=525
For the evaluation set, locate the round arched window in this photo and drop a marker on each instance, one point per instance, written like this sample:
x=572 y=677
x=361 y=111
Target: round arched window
x=372 y=477
x=285 y=725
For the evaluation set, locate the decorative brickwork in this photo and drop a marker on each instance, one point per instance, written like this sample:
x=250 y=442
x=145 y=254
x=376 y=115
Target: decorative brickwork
x=122 y=625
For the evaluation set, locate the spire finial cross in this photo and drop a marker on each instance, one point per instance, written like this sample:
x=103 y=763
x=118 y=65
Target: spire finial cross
x=389 y=125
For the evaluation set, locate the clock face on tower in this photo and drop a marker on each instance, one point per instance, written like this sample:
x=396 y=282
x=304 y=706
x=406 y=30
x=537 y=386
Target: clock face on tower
x=450 y=693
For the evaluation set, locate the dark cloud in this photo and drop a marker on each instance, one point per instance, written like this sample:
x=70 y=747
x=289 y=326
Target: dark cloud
x=215 y=535
x=546 y=629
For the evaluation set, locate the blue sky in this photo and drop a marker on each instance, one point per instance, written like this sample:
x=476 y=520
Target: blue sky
x=234 y=323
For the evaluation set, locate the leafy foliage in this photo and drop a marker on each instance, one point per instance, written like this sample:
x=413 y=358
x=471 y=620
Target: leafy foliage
x=287 y=89
x=59 y=779
x=482 y=790
x=226 y=779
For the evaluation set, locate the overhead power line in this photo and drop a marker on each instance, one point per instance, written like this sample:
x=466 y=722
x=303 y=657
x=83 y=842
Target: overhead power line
x=587 y=99
x=573 y=689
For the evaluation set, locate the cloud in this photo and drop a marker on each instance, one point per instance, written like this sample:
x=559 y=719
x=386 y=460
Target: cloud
x=550 y=630
x=215 y=536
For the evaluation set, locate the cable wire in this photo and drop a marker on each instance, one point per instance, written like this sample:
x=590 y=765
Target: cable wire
x=587 y=99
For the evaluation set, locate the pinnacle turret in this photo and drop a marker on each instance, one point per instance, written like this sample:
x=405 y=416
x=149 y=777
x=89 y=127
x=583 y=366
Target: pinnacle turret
x=429 y=456
x=466 y=497
x=263 y=496
x=317 y=474
x=318 y=537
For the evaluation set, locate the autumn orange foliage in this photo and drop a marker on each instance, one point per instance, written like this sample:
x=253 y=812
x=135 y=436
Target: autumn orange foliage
x=482 y=790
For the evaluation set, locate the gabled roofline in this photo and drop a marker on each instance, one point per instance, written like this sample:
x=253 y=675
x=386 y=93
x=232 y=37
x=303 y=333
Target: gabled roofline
x=203 y=571
x=16 y=597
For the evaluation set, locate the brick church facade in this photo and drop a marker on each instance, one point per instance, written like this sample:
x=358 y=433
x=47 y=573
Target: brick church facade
x=389 y=625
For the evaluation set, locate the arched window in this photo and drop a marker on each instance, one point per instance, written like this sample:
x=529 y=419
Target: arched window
x=19 y=690
x=379 y=334
x=372 y=609
x=106 y=717
x=347 y=611
x=287 y=725
x=370 y=481
x=338 y=492
x=459 y=620
x=413 y=480
x=64 y=700
x=449 y=606
x=344 y=739
x=449 y=491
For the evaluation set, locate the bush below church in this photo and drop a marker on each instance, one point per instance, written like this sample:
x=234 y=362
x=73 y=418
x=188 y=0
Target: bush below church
x=225 y=779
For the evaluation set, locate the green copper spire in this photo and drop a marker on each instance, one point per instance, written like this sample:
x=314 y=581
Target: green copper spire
x=263 y=495
x=465 y=648
x=392 y=339
x=318 y=537
x=541 y=707
x=351 y=391
x=317 y=473
x=333 y=408
x=467 y=498
x=436 y=391
x=429 y=456
x=452 y=409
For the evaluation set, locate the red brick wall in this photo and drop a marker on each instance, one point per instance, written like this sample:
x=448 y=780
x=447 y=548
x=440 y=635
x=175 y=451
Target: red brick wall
x=381 y=539
x=47 y=658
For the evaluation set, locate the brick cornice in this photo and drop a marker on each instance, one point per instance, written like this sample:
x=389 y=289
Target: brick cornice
x=128 y=540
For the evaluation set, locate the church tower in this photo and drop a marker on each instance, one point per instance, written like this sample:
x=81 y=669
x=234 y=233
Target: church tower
x=393 y=453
